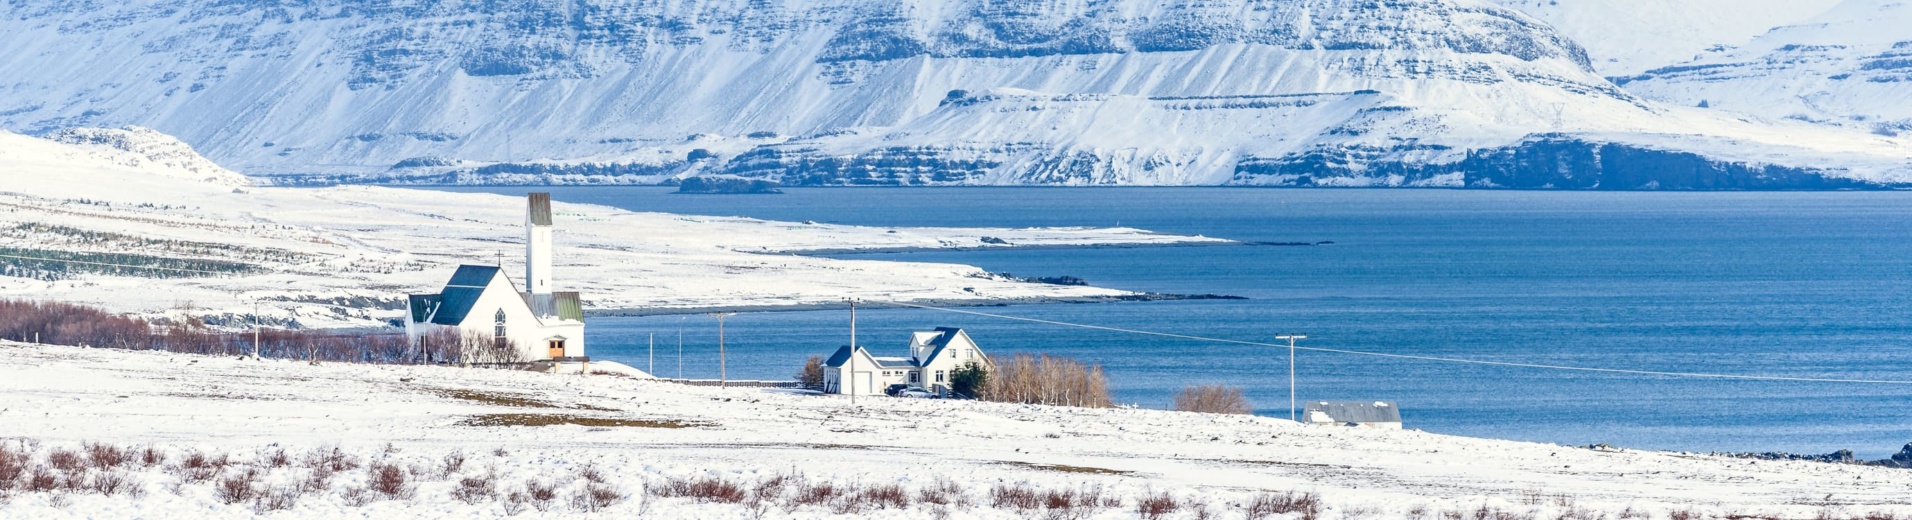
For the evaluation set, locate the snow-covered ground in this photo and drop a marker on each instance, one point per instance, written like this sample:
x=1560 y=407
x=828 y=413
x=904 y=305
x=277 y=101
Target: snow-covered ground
x=54 y=397
x=345 y=256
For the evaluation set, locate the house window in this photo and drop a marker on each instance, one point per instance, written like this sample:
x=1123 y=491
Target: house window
x=914 y=376
x=498 y=330
x=939 y=376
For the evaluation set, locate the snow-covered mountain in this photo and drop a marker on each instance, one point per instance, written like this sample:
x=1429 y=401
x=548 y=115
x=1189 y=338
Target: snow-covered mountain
x=1310 y=92
x=1627 y=37
x=1851 y=67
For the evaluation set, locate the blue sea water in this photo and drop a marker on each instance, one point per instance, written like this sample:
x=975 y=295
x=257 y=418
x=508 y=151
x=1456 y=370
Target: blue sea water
x=1779 y=284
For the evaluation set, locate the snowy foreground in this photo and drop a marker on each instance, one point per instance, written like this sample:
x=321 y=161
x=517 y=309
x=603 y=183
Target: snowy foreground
x=346 y=256
x=789 y=455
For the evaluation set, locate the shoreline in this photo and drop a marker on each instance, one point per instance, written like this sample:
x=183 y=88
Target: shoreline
x=978 y=302
x=1032 y=247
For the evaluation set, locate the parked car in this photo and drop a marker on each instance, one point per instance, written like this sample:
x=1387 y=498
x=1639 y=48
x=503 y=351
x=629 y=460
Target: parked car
x=895 y=390
x=917 y=393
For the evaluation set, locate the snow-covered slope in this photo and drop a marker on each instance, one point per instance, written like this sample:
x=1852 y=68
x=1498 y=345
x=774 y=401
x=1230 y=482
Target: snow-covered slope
x=1213 y=466
x=345 y=256
x=1850 y=67
x=1627 y=37
x=1336 y=92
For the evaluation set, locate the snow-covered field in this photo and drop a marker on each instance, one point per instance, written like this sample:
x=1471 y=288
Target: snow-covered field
x=413 y=417
x=345 y=256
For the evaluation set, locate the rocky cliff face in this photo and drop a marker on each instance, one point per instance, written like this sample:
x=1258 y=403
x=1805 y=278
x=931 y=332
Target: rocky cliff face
x=1068 y=92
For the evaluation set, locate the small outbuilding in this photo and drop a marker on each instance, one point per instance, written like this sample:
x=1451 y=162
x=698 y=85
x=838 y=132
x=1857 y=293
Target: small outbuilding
x=1372 y=414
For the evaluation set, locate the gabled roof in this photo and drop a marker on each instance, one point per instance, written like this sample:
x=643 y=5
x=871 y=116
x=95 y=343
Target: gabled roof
x=540 y=209
x=570 y=306
x=893 y=362
x=473 y=276
x=838 y=358
x=457 y=302
x=1357 y=412
x=944 y=336
x=422 y=306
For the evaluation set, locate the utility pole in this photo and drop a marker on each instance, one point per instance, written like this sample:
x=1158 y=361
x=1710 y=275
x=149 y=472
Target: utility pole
x=255 y=330
x=1291 y=372
x=680 y=347
x=723 y=373
x=852 y=362
x=653 y=352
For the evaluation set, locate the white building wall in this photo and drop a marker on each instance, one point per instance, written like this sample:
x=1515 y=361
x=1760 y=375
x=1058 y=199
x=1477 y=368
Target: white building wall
x=537 y=261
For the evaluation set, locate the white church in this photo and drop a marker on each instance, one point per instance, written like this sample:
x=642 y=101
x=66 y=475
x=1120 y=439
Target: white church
x=537 y=328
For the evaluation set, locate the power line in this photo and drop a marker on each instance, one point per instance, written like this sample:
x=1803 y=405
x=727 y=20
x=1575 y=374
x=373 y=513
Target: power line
x=129 y=266
x=1415 y=357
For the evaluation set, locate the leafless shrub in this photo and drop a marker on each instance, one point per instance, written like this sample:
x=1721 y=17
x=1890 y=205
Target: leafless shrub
x=500 y=453
x=389 y=480
x=275 y=458
x=12 y=465
x=451 y=464
x=886 y=496
x=1630 y=513
x=356 y=496
x=198 y=467
x=514 y=503
x=1222 y=399
x=770 y=488
x=942 y=492
x=151 y=456
x=706 y=489
x=1577 y=513
x=1881 y=515
x=278 y=499
x=1020 y=497
x=591 y=474
x=74 y=481
x=235 y=490
x=59 y=501
x=472 y=490
x=111 y=483
x=1153 y=506
x=814 y=493
x=1046 y=379
x=42 y=478
x=65 y=460
x=541 y=494
x=105 y=456
x=319 y=479
x=595 y=497
x=1735 y=515
x=1269 y=504
x=1417 y=512
x=1486 y=512
x=333 y=459
x=1200 y=511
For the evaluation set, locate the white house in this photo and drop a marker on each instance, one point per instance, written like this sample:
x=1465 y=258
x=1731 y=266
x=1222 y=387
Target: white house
x=538 y=327
x=933 y=357
x=1373 y=414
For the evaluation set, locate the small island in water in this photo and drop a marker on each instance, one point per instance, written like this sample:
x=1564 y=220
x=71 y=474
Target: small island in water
x=727 y=185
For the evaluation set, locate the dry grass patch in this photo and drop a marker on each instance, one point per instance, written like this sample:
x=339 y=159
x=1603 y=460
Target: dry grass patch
x=538 y=419
x=494 y=399
x=1065 y=468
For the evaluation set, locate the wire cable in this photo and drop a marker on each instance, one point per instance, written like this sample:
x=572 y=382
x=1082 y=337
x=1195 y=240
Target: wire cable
x=1411 y=356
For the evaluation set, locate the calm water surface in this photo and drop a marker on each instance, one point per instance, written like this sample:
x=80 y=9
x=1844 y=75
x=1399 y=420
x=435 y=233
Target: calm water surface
x=1783 y=284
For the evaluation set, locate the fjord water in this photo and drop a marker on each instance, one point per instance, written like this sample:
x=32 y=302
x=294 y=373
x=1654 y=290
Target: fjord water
x=1812 y=285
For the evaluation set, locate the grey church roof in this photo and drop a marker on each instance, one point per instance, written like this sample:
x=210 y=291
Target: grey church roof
x=462 y=292
x=422 y=306
x=1358 y=411
x=564 y=305
x=540 y=209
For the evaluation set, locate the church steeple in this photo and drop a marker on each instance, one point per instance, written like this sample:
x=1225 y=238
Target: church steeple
x=537 y=246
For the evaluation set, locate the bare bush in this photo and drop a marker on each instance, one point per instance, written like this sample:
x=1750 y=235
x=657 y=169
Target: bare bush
x=333 y=459
x=151 y=456
x=514 y=502
x=199 y=467
x=278 y=499
x=942 y=492
x=111 y=483
x=706 y=489
x=451 y=464
x=1264 y=505
x=275 y=458
x=318 y=479
x=886 y=496
x=1020 y=497
x=1046 y=379
x=235 y=490
x=356 y=496
x=389 y=480
x=814 y=493
x=591 y=474
x=1153 y=506
x=42 y=478
x=541 y=494
x=12 y=465
x=595 y=497
x=65 y=460
x=1222 y=399
x=105 y=456
x=810 y=377
x=472 y=490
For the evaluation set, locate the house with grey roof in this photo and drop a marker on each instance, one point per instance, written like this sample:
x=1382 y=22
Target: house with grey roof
x=496 y=322
x=934 y=356
x=1373 y=414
